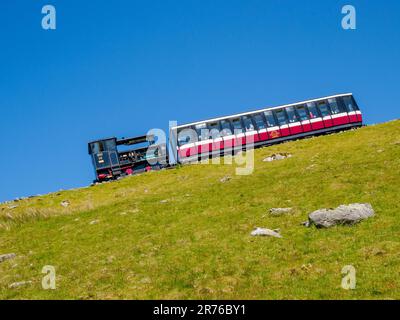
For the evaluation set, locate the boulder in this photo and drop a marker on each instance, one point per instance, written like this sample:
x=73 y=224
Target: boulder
x=342 y=215
x=266 y=232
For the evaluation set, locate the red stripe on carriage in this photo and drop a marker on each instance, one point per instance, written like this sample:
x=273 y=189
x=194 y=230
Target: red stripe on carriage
x=263 y=136
x=306 y=125
x=295 y=129
x=252 y=137
x=328 y=121
x=316 y=125
x=228 y=143
x=353 y=116
x=285 y=131
x=340 y=119
x=217 y=145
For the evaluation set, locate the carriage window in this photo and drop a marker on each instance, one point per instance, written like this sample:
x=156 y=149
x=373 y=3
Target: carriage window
x=183 y=140
x=214 y=130
x=226 y=128
x=312 y=108
x=97 y=147
x=333 y=104
x=269 y=116
x=281 y=116
x=213 y=125
x=237 y=125
x=323 y=107
x=202 y=131
x=258 y=119
x=186 y=135
x=110 y=145
x=302 y=112
x=248 y=124
x=291 y=115
x=349 y=103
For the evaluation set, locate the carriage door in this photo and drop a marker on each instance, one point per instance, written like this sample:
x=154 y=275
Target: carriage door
x=110 y=146
x=326 y=113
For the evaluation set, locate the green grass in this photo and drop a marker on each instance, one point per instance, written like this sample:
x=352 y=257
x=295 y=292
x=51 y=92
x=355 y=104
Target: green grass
x=197 y=245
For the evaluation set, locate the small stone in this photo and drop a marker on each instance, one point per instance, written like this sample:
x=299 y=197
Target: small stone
x=265 y=232
x=164 y=201
x=277 y=156
x=15 y=285
x=225 y=179
x=94 y=222
x=12 y=207
x=306 y=223
x=145 y=280
x=7 y=256
x=396 y=142
x=65 y=203
x=279 y=211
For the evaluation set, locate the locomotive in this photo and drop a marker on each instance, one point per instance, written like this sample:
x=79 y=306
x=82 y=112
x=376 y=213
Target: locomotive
x=225 y=135
x=110 y=163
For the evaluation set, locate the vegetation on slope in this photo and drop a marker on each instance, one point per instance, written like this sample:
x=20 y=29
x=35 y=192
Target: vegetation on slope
x=122 y=240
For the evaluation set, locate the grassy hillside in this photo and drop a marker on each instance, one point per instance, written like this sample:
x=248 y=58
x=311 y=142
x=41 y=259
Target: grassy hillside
x=122 y=240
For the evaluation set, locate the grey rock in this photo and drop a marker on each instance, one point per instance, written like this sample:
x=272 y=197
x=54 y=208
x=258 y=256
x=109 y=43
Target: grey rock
x=268 y=159
x=65 y=203
x=279 y=211
x=266 y=232
x=277 y=156
x=8 y=256
x=15 y=285
x=342 y=215
x=225 y=179
x=12 y=207
x=164 y=201
x=94 y=222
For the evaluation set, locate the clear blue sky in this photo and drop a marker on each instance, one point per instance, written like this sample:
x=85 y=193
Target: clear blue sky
x=119 y=68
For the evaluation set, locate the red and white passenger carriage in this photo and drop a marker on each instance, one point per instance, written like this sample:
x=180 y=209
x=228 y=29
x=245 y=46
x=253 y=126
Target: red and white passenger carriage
x=225 y=135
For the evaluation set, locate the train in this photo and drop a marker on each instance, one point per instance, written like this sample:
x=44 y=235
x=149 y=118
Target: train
x=113 y=158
